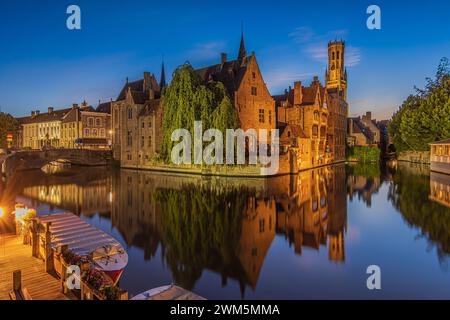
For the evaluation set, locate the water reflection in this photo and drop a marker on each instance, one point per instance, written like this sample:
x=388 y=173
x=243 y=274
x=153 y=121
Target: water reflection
x=195 y=225
x=228 y=225
x=410 y=192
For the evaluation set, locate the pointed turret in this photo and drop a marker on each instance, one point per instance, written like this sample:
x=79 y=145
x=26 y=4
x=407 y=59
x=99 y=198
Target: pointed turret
x=242 y=52
x=162 y=83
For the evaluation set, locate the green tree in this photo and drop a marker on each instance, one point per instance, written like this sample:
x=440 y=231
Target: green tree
x=188 y=99
x=424 y=117
x=8 y=124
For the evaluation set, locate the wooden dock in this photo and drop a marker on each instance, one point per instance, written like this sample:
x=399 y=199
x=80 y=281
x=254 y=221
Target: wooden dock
x=16 y=256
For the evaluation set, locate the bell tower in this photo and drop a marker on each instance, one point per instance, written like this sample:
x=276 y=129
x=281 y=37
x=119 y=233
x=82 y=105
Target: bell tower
x=336 y=74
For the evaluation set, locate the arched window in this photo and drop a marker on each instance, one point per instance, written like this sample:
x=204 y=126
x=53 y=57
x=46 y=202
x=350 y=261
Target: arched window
x=86 y=132
x=333 y=56
x=94 y=132
x=316 y=115
x=98 y=122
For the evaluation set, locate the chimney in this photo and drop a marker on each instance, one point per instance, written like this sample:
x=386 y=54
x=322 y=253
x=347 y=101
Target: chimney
x=37 y=112
x=369 y=115
x=223 y=58
x=315 y=81
x=298 y=95
x=50 y=110
x=33 y=113
x=147 y=81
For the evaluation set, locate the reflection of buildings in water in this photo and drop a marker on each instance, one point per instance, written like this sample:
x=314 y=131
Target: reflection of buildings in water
x=87 y=199
x=309 y=209
x=138 y=216
x=364 y=187
x=440 y=188
x=316 y=211
x=257 y=234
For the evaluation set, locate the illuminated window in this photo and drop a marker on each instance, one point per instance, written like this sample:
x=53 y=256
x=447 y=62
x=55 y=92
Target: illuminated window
x=261 y=115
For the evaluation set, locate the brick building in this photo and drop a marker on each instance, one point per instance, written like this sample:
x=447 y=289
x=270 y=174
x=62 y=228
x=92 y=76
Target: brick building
x=319 y=112
x=137 y=113
x=137 y=121
x=245 y=84
x=304 y=108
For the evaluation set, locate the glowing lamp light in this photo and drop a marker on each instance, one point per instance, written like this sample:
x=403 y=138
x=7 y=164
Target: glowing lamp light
x=22 y=214
x=2 y=212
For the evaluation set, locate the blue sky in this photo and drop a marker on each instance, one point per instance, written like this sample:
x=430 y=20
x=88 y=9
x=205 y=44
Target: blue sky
x=42 y=63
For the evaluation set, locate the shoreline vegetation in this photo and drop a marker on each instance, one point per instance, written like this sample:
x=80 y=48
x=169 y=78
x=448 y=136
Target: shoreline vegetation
x=423 y=118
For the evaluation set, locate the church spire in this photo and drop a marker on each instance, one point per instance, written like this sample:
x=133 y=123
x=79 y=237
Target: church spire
x=242 y=52
x=162 y=83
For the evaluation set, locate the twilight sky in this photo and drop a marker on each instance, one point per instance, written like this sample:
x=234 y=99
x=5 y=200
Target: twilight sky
x=42 y=63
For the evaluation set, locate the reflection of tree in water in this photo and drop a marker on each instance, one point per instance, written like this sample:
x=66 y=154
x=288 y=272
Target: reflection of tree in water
x=364 y=180
x=201 y=229
x=409 y=194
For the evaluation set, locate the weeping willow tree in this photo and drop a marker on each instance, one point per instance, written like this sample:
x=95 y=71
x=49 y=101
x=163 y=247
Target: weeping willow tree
x=201 y=228
x=188 y=99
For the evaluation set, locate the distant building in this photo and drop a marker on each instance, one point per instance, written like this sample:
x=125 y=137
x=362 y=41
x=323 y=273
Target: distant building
x=372 y=126
x=78 y=126
x=358 y=134
x=366 y=131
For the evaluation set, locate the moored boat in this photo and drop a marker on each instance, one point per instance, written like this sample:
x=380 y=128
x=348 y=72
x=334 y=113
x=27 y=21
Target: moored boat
x=169 y=292
x=83 y=240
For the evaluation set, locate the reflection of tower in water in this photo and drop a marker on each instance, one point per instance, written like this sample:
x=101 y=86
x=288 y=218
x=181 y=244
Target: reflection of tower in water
x=315 y=213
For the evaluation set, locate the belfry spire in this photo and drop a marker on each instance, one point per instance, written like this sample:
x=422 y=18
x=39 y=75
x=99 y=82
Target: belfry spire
x=162 y=82
x=242 y=52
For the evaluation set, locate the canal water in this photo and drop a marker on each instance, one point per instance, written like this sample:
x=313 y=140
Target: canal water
x=293 y=237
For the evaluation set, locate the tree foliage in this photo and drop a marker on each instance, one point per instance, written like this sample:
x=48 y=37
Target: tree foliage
x=424 y=117
x=8 y=124
x=188 y=99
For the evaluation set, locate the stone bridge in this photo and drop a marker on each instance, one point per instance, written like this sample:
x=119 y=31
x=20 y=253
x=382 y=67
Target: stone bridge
x=26 y=160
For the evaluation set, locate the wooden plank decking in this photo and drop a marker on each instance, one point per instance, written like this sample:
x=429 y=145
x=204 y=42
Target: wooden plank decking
x=16 y=256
